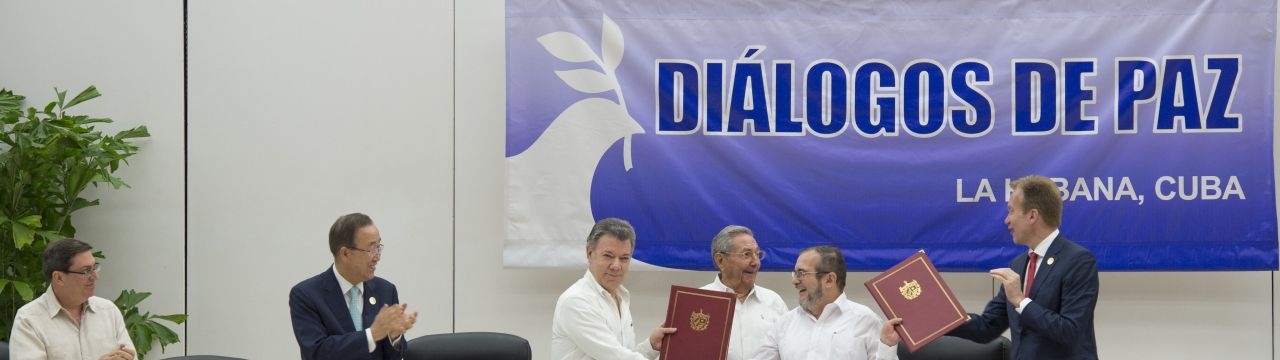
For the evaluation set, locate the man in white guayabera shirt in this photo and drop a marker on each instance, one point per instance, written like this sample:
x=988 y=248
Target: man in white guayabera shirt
x=736 y=254
x=68 y=322
x=827 y=325
x=593 y=317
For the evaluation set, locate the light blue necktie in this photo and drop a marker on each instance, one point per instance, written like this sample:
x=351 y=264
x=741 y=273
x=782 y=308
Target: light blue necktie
x=353 y=304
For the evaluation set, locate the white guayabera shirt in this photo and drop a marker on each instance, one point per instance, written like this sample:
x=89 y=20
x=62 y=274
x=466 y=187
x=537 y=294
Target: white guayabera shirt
x=44 y=330
x=752 y=318
x=846 y=330
x=588 y=325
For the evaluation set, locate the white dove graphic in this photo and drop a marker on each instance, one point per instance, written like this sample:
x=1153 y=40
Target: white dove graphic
x=549 y=184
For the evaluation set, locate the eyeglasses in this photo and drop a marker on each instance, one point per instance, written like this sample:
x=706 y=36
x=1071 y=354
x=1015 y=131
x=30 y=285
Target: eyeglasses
x=377 y=249
x=88 y=271
x=746 y=255
x=799 y=274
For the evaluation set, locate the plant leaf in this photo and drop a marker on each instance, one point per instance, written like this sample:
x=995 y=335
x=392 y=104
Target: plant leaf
x=586 y=80
x=81 y=203
x=568 y=47
x=142 y=338
x=62 y=95
x=32 y=221
x=116 y=183
x=86 y=95
x=173 y=318
x=9 y=100
x=143 y=327
x=24 y=290
x=50 y=235
x=137 y=132
x=22 y=235
x=163 y=333
x=129 y=299
x=611 y=44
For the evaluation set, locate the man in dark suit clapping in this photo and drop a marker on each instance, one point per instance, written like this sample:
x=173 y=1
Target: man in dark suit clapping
x=345 y=312
x=1049 y=293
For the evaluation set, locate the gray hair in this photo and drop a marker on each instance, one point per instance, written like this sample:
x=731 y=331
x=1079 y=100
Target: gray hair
x=620 y=229
x=723 y=242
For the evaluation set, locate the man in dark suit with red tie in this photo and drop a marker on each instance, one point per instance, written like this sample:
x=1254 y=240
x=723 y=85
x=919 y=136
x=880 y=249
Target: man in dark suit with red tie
x=345 y=312
x=1049 y=293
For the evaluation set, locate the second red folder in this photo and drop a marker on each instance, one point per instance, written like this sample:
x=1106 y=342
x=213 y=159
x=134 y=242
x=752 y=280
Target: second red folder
x=703 y=320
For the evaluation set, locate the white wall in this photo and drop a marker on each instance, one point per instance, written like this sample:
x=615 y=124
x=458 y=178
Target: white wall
x=300 y=111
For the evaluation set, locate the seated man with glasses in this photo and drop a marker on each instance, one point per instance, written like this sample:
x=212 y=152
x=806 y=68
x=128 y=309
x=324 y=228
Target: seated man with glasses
x=68 y=322
x=736 y=254
x=345 y=312
x=827 y=325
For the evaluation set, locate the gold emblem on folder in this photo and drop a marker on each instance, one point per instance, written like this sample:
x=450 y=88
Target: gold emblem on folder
x=699 y=320
x=910 y=290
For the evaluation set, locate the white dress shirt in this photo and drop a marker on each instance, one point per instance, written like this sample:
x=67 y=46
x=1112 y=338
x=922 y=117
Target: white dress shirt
x=752 y=318
x=44 y=330
x=846 y=330
x=588 y=324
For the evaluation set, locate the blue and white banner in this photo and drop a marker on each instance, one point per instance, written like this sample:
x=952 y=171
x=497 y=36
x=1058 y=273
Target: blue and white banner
x=887 y=127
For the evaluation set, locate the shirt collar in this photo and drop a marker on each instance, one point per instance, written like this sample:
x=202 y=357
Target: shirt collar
x=343 y=284
x=841 y=304
x=722 y=287
x=52 y=307
x=1043 y=248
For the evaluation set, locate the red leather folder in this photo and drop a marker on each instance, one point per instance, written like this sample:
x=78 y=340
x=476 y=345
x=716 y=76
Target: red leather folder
x=913 y=290
x=703 y=320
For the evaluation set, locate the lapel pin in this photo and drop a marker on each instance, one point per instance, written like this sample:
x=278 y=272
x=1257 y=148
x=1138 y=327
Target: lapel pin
x=1049 y=262
x=373 y=300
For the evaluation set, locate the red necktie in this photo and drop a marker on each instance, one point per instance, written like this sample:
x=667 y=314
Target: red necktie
x=1031 y=272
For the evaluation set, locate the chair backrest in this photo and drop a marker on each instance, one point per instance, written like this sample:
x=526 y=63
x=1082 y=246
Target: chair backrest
x=468 y=346
x=954 y=348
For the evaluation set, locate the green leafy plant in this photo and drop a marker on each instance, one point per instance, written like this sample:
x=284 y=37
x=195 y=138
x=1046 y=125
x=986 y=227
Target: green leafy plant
x=142 y=326
x=47 y=159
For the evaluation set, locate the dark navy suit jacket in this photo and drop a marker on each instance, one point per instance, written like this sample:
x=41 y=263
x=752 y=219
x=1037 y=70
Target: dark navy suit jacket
x=322 y=323
x=1058 y=323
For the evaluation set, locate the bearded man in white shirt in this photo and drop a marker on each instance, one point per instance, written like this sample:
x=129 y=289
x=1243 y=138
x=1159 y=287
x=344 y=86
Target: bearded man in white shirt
x=593 y=317
x=737 y=255
x=827 y=325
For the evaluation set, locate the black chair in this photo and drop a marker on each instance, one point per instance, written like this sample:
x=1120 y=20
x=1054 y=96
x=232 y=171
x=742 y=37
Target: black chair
x=469 y=346
x=954 y=348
